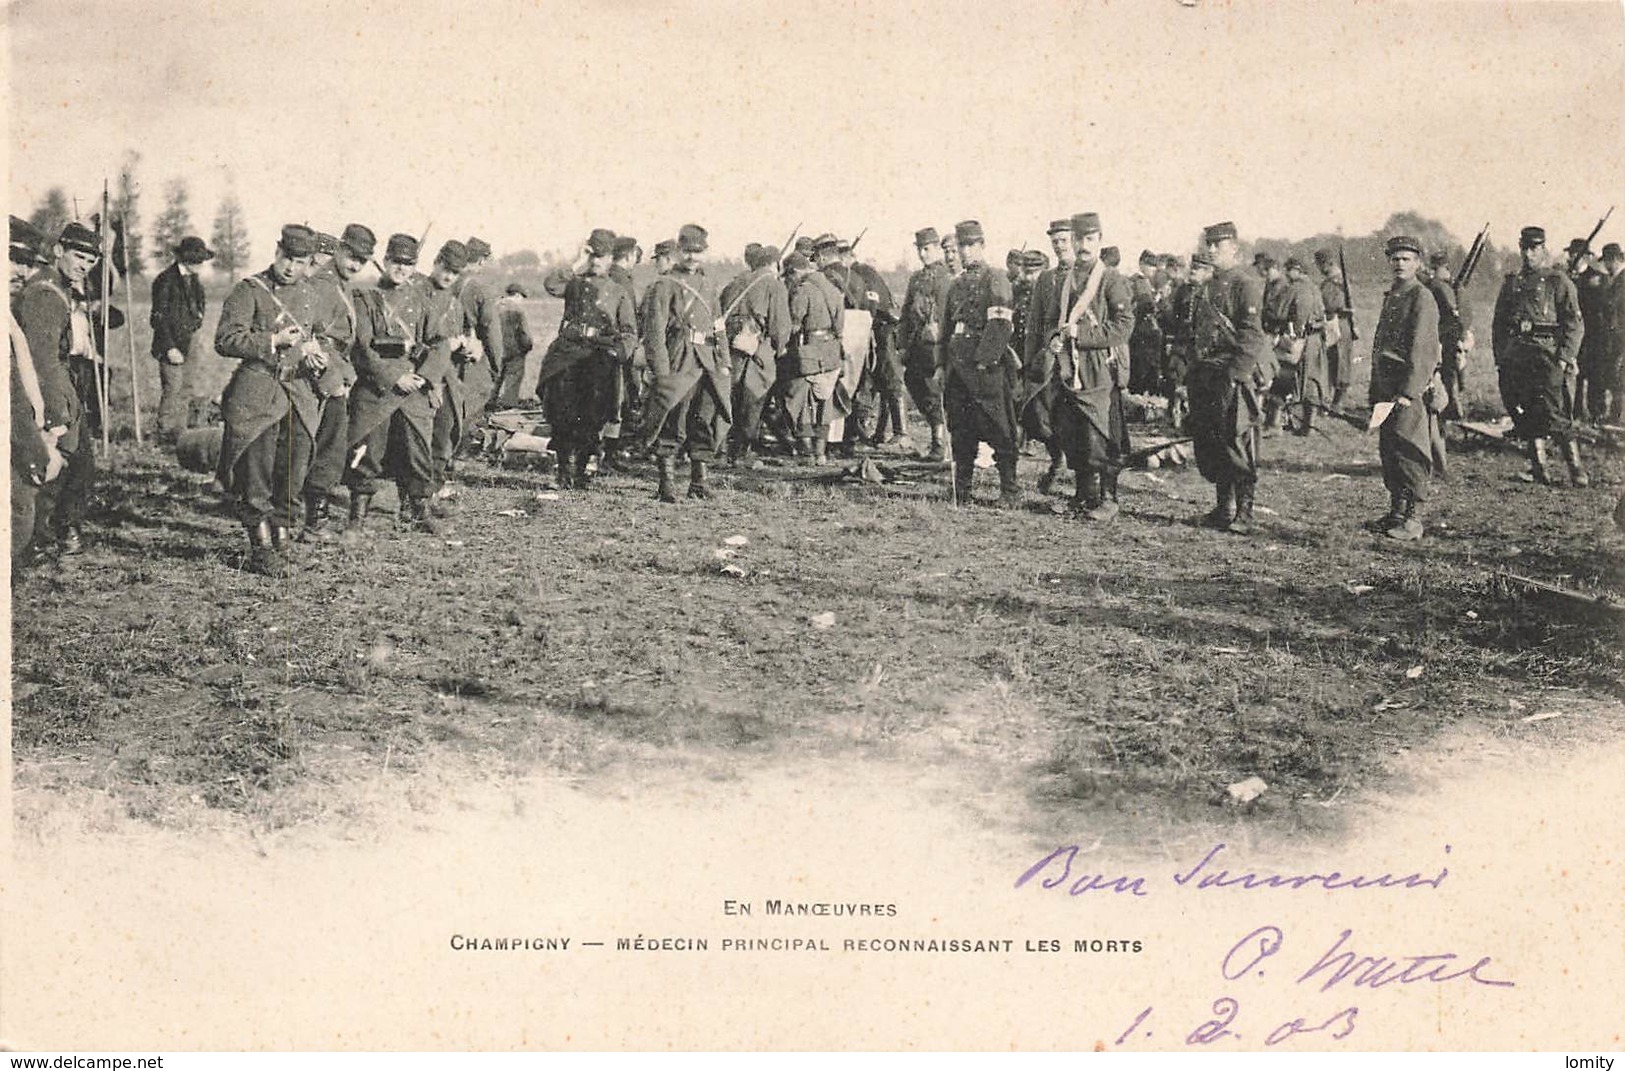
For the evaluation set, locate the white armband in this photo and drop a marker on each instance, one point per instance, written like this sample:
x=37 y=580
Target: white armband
x=1001 y=312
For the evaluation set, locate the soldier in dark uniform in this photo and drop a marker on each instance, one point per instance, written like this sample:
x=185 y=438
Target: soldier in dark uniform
x=1301 y=349
x=817 y=317
x=1021 y=297
x=459 y=399
x=270 y=407
x=1037 y=402
x=35 y=459
x=756 y=307
x=480 y=362
x=581 y=373
x=1589 y=284
x=1273 y=315
x=1339 y=326
x=516 y=344
x=628 y=255
x=863 y=289
x=55 y=319
x=1404 y=358
x=1536 y=338
x=919 y=335
x=1455 y=338
x=402 y=357
x=689 y=405
x=1610 y=353
x=334 y=323
x=979 y=378
x=1094 y=317
x=1234 y=365
x=1145 y=345
x=1179 y=329
x=951 y=255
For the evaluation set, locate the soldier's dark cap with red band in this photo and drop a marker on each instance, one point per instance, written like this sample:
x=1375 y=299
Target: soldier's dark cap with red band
x=693 y=238
x=453 y=255
x=1577 y=246
x=1438 y=260
x=968 y=231
x=78 y=236
x=1148 y=257
x=626 y=246
x=359 y=240
x=1086 y=223
x=1035 y=259
x=1059 y=226
x=601 y=242
x=477 y=249
x=326 y=243
x=926 y=236
x=1293 y=264
x=826 y=241
x=1201 y=260
x=664 y=248
x=297 y=240
x=26 y=242
x=804 y=245
x=1401 y=243
x=760 y=256
x=1530 y=237
x=1612 y=250
x=402 y=249
x=798 y=262
x=1111 y=256
x=1218 y=232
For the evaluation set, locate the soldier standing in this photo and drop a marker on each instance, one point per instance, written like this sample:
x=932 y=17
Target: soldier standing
x=757 y=312
x=1094 y=314
x=951 y=255
x=516 y=344
x=1145 y=345
x=1234 y=365
x=1304 y=334
x=1179 y=329
x=581 y=373
x=1455 y=339
x=1610 y=354
x=35 y=460
x=1037 y=403
x=862 y=289
x=270 y=407
x=1339 y=326
x=817 y=317
x=978 y=386
x=1589 y=287
x=689 y=404
x=402 y=356
x=1536 y=338
x=456 y=405
x=177 y=315
x=1404 y=357
x=628 y=255
x=919 y=335
x=335 y=326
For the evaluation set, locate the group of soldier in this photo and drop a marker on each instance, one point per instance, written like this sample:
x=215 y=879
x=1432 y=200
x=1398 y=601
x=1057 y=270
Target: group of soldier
x=339 y=383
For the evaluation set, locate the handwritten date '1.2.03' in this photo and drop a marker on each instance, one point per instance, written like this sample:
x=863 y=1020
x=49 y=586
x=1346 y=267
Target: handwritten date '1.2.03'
x=1339 y=970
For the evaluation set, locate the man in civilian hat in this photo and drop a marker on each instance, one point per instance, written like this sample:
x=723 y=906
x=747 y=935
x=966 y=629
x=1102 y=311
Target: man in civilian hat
x=581 y=372
x=980 y=373
x=1589 y=283
x=177 y=315
x=1536 y=339
x=1339 y=326
x=516 y=344
x=688 y=406
x=1404 y=358
x=919 y=335
x=809 y=372
x=1300 y=348
x=1609 y=370
x=1179 y=328
x=56 y=322
x=332 y=289
x=1145 y=345
x=270 y=405
x=1093 y=314
x=756 y=307
x=1037 y=402
x=1234 y=365
x=402 y=355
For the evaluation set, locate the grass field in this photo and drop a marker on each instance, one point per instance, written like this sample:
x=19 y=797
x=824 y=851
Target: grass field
x=1132 y=671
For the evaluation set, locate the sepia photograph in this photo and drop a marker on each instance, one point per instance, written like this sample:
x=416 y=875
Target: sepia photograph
x=1061 y=526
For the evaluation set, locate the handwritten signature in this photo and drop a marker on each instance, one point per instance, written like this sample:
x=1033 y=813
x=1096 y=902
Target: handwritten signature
x=1057 y=870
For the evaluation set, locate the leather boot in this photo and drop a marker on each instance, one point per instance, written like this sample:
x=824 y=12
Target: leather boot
x=899 y=421
x=1577 y=472
x=1395 y=514
x=416 y=514
x=1086 y=494
x=804 y=449
x=1406 y=527
x=1306 y=419
x=317 y=510
x=1222 y=512
x=281 y=537
x=1107 y=509
x=696 y=480
x=356 y=529
x=938 y=450
x=964 y=474
x=1046 y=482
x=1009 y=488
x=820 y=446
x=1537 y=461
x=1243 y=522
x=583 y=479
x=563 y=469
x=263 y=556
x=666 y=492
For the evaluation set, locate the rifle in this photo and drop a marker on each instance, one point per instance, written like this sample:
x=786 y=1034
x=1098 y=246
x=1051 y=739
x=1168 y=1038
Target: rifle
x=1469 y=263
x=865 y=231
x=1348 y=297
x=1598 y=228
x=1337 y=414
x=788 y=246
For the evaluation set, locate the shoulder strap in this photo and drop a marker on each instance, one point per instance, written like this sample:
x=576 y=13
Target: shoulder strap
x=741 y=296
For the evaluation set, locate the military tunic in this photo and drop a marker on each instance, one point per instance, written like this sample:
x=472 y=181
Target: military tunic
x=919 y=339
x=1591 y=399
x=979 y=387
x=632 y=367
x=817 y=317
x=690 y=401
x=1303 y=318
x=1234 y=364
x=1536 y=338
x=1046 y=309
x=1609 y=369
x=1404 y=356
x=334 y=325
x=46 y=309
x=270 y=406
x=1452 y=333
x=1339 y=351
x=1092 y=367
x=1145 y=344
x=1179 y=331
x=581 y=371
x=757 y=308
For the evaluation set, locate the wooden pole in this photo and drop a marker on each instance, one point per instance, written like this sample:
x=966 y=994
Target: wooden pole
x=100 y=344
x=129 y=327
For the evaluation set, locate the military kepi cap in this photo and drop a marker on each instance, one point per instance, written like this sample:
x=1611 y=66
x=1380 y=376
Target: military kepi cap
x=192 y=250
x=601 y=242
x=760 y=256
x=78 y=236
x=1148 y=257
x=926 y=236
x=1201 y=260
x=326 y=244
x=1084 y=223
x=402 y=249
x=1612 y=249
x=693 y=238
x=664 y=248
x=804 y=245
x=1323 y=257
x=26 y=241
x=453 y=255
x=359 y=240
x=1111 y=256
x=1401 y=243
x=478 y=248
x=1035 y=259
x=1530 y=237
x=1218 y=232
x=297 y=240
x=1438 y=260
x=825 y=241
x=798 y=262
x=625 y=245
x=1578 y=245
x=1292 y=264
x=1059 y=226
x=968 y=231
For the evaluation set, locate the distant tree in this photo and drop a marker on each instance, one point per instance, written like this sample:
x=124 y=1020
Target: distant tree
x=520 y=260
x=126 y=208
x=175 y=222
x=230 y=238
x=52 y=214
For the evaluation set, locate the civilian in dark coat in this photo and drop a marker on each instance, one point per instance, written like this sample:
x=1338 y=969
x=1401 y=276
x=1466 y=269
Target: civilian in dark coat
x=177 y=315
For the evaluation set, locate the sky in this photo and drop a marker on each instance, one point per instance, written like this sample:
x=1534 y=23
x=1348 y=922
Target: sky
x=529 y=123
